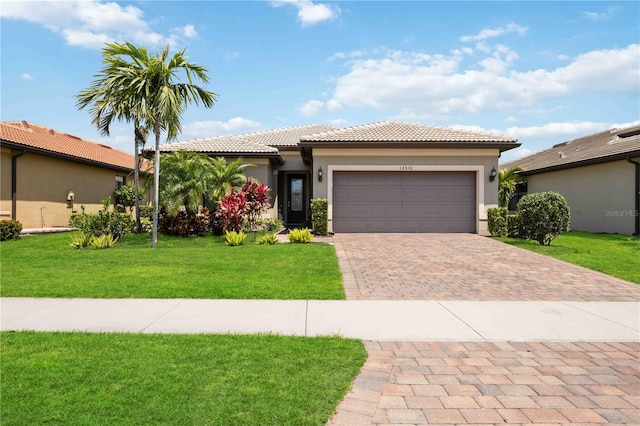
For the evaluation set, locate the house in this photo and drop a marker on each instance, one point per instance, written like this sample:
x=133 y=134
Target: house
x=47 y=174
x=380 y=177
x=599 y=175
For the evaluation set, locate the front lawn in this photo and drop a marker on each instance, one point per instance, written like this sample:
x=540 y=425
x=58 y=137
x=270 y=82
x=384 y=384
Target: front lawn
x=616 y=255
x=135 y=379
x=46 y=266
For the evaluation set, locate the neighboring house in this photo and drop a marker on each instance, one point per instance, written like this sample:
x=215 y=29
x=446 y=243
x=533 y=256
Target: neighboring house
x=599 y=175
x=380 y=177
x=46 y=174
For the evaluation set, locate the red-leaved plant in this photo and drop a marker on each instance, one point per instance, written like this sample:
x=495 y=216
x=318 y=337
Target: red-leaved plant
x=246 y=203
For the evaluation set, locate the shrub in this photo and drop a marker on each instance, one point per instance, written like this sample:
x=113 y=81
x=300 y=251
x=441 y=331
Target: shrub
x=543 y=216
x=233 y=238
x=104 y=222
x=300 y=236
x=257 y=200
x=497 y=221
x=81 y=241
x=10 y=229
x=183 y=224
x=268 y=224
x=513 y=226
x=125 y=196
x=103 y=241
x=320 y=216
x=146 y=224
x=146 y=211
x=267 y=239
x=231 y=211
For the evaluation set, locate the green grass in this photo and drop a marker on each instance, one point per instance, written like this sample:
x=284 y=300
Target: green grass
x=134 y=379
x=46 y=266
x=615 y=255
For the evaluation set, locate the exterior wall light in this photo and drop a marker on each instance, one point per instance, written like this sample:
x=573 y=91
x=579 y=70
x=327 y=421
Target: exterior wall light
x=493 y=174
x=320 y=173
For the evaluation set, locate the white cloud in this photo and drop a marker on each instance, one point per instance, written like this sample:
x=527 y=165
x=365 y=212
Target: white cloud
x=203 y=129
x=426 y=85
x=555 y=130
x=189 y=31
x=338 y=122
x=515 y=154
x=601 y=16
x=310 y=13
x=232 y=55
x=27 y=76
x=91 y=23
x=311 y=108
x=488 y=33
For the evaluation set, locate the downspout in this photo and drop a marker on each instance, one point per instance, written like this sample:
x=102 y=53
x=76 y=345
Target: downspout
x=637 y=210
x=14 y=183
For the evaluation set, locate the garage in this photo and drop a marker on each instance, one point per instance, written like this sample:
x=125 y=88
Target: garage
x=404 y=202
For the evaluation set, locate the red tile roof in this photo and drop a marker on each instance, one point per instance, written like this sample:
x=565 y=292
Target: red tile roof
x=53 y=142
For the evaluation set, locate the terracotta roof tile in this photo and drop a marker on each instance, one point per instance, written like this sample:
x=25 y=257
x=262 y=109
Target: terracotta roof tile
x=596 y=147
x=46 y=140
x=393 y=131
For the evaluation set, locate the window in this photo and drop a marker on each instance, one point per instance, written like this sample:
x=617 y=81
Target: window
x=521 y=191
x=119 y=182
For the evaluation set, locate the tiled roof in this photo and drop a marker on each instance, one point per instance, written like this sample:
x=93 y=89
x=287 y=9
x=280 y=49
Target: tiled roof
x=599 y=147
x=219 y=144
x=288 y=136
x=393 y=131
x=29 y=135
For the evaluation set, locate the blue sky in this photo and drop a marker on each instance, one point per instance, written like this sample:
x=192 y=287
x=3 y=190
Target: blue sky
x=544 y=72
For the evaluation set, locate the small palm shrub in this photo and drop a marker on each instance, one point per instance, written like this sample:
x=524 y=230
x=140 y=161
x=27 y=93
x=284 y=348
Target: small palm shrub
x=233 y=238
x=267 y=239
x=10 y=229
x=320 y=216
x=543 y=216
x=81 y=241
x=300 y=236
x=103 y=241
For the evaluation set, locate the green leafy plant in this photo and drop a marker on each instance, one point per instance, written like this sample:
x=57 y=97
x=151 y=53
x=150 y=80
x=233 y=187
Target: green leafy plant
x=125 y=196
x=81 y=241
x=10 y=229
x=103 y=241
x=300 y=236
x=184 y=224
x=267 y=239
x=233 y=238
x=268 y=224
x=543 y=216
x=497 y=221
x=507 y=180
x=513 y=226
x=320 y=216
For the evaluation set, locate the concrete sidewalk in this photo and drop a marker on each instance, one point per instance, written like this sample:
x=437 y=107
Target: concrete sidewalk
x=368 y=320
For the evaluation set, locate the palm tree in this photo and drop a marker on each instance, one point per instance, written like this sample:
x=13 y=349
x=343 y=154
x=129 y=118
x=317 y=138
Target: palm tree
x=507 y=180
x=226 y=176
x=186 y=177
x=135 y=85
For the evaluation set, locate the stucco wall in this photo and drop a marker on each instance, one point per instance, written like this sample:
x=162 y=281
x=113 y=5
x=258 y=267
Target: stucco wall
x=5 y=180
x=43 y=183
x=601 y=196
x=479 y=160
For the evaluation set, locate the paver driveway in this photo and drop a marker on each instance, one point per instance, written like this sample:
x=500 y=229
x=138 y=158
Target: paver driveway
x=464 y=267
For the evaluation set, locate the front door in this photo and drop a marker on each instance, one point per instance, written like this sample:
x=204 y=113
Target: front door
x=296 y=206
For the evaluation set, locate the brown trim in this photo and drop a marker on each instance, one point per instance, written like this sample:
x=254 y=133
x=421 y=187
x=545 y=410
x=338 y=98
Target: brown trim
x=581 y=163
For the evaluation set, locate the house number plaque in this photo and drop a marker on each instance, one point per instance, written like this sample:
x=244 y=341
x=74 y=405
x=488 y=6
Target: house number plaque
x=406 y=167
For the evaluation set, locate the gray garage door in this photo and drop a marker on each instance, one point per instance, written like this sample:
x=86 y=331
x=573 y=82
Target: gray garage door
x=404 y=202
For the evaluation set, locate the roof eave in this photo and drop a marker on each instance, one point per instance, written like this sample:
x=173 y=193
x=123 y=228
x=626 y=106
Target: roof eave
x=41 y=151
x=581 y=163
x=503 y=146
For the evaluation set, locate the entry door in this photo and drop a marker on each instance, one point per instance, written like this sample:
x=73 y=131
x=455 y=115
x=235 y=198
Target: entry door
x=296 y=206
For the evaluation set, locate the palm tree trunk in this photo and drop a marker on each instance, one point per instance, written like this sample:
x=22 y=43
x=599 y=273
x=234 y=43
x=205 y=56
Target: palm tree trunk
x=136 y=181
x=156 y=184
